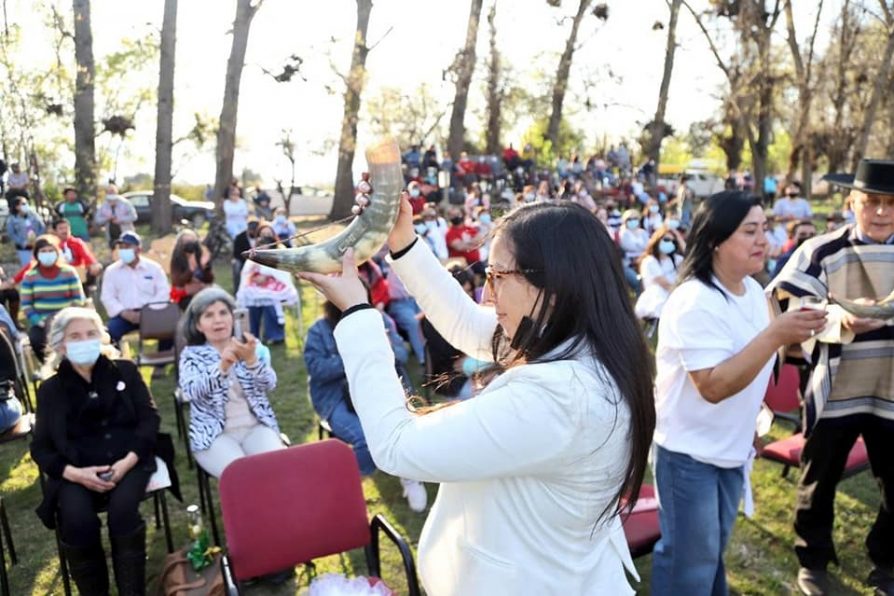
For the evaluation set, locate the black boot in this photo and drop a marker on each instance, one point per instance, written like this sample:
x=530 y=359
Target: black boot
x=129 y=561
x=87 y=567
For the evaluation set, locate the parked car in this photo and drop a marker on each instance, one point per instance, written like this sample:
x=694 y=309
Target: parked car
x=702 y=183
x=197 y=212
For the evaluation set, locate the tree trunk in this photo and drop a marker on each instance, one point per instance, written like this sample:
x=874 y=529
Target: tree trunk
x=656 y=135
x=561 y=84
x=494 y=90
x=465 y=67
x=226 y=133
x=760 y=148
x=84 y=126
x=881 y=78
x=161 y=200
x=846 y=45
x=344 y=175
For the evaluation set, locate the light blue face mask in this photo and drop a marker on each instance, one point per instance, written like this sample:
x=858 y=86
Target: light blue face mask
x=632 y=224
x=667 y=247
x=484 y=218
x=84 y=352
x=47 y=259
x=414 y=192
x=127 y=255
x=281 y=220
x=673 y=224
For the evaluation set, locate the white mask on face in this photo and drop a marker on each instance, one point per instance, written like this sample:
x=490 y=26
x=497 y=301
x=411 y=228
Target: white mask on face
x=127 y=255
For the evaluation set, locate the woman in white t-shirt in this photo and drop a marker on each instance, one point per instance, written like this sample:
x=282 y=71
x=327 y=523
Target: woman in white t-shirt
x=715 y=353
x=236 y=212
x=658 y=270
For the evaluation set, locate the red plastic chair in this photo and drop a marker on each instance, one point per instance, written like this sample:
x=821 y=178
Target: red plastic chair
x=784 y=396
x=287 y=507
x=641 y=526
x=788 y=453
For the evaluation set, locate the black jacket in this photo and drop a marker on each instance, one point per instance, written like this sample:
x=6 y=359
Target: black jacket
x=91 y=424
x=241 y=243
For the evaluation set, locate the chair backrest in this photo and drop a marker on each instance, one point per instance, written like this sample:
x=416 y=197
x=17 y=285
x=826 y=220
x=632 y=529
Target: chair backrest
x=158 y=320
x=290 y=506
x=9 y=359
x=784 y=395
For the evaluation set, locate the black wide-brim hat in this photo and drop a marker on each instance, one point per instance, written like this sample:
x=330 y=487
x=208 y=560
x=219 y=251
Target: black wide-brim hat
x=874 y=176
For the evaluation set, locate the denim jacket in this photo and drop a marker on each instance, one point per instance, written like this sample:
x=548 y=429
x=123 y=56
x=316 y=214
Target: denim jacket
x=17 y=227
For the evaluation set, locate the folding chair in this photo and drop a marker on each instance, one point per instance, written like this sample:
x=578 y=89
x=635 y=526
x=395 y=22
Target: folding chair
x=12 y=369
x=155 y=491
x=20 y=431
x=788 y=453
x=783 y=397
x=287 y=507
x=158 y=321
x=641 y=525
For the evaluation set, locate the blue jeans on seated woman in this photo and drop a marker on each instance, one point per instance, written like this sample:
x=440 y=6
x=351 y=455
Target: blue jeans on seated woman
x=697 y=510
x=273 y=329
x=346 y=426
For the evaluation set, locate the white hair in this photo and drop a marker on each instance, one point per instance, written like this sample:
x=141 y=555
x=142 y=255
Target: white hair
x=56 y=335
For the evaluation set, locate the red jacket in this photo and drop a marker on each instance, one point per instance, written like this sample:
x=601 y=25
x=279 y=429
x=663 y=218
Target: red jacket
x=462 y=232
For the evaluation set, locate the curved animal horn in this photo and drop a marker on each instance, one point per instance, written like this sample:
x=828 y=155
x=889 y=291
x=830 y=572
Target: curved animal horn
x=366 y=234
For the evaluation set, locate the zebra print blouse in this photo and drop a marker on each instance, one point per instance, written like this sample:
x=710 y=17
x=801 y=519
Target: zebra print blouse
x=206 y=390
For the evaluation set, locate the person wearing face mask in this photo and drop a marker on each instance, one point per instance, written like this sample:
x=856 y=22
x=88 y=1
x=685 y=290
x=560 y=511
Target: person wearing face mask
x=463 y=241
x=244 y=241
x=284 y=228
x=652 y=219
x=191 y=269
x=801 y=231
x=476 y=199
x=117 y=214
x=433 y=228
x=264 y=291
x=658 y=270
x=95 y=440
x=633 y=240
x=129 y=284
x=792 y=206
x=23 y=226
x=47 y=288
x=417 y=199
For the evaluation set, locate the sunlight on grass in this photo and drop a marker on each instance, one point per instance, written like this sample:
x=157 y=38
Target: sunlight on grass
x=22 y=475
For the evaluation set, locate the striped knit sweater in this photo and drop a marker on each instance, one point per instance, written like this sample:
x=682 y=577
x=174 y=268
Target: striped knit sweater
x=43 y=296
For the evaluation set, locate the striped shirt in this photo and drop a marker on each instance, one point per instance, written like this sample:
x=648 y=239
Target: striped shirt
x=43 y=296
x=855 y=375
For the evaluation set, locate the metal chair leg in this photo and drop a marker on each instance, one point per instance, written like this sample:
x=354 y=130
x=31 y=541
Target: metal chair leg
x=7 y=534
x=155 y=503
x=63 y=565
x=212 y=517
x=166 y=522
x=5 y=538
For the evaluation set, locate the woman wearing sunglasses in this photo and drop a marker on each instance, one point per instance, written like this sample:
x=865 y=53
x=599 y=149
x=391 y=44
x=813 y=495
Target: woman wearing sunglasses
x=533 y=470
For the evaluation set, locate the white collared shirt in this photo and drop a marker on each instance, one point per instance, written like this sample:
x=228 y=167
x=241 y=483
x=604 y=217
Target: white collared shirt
x=131 y=288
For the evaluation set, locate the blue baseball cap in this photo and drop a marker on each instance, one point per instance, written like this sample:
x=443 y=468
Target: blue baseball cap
x=131 y=238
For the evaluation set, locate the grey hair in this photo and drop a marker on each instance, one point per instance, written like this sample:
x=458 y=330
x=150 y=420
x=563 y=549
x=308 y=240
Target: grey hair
x=200 y=302
x=56 y=336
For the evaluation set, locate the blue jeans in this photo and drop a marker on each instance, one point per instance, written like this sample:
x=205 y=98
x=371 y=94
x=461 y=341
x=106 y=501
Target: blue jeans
x=273 y=329
x=404 y=313
x=632 y=279
x=10 y=413
x=697 y=511
x=346 y=426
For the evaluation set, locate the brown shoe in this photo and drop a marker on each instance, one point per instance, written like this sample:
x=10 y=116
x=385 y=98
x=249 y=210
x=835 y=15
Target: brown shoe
x=813 y=582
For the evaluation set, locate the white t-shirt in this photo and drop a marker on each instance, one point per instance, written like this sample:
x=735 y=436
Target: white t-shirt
x=701 y=328
x=650 y=268
x=236 y=214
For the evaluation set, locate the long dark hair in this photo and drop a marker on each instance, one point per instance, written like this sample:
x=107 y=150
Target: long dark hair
x=715 y=220
x=187 y=242
x=568 y=255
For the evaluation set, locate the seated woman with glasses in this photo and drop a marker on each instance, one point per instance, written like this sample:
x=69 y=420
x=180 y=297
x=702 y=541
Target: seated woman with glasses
x=535 y=469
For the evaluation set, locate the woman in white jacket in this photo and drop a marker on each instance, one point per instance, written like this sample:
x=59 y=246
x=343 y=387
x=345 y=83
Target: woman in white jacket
x=532 y=470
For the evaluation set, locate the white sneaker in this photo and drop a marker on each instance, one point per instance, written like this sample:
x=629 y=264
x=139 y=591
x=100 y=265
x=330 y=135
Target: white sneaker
x=414 y=491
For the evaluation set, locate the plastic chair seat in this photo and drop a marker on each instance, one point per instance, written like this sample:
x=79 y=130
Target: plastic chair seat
x=641 y=526
x=788 y=452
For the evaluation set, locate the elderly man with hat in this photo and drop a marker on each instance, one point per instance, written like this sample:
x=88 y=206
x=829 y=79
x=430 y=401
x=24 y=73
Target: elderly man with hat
x=850 y=391
x=129 y=284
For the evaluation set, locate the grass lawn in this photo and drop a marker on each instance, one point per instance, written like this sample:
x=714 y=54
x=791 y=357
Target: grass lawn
x=759 y=560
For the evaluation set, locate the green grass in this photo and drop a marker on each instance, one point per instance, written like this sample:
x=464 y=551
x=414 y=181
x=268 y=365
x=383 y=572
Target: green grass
x=760 y=559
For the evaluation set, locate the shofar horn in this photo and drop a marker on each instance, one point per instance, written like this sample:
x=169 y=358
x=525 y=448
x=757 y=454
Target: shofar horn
x=366 y=234
x=883 y=309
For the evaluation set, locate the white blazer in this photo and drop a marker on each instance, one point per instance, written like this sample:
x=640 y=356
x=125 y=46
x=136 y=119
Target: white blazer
x=525 y=468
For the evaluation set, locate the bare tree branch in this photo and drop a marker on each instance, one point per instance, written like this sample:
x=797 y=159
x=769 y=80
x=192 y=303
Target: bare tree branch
x=698 y=21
